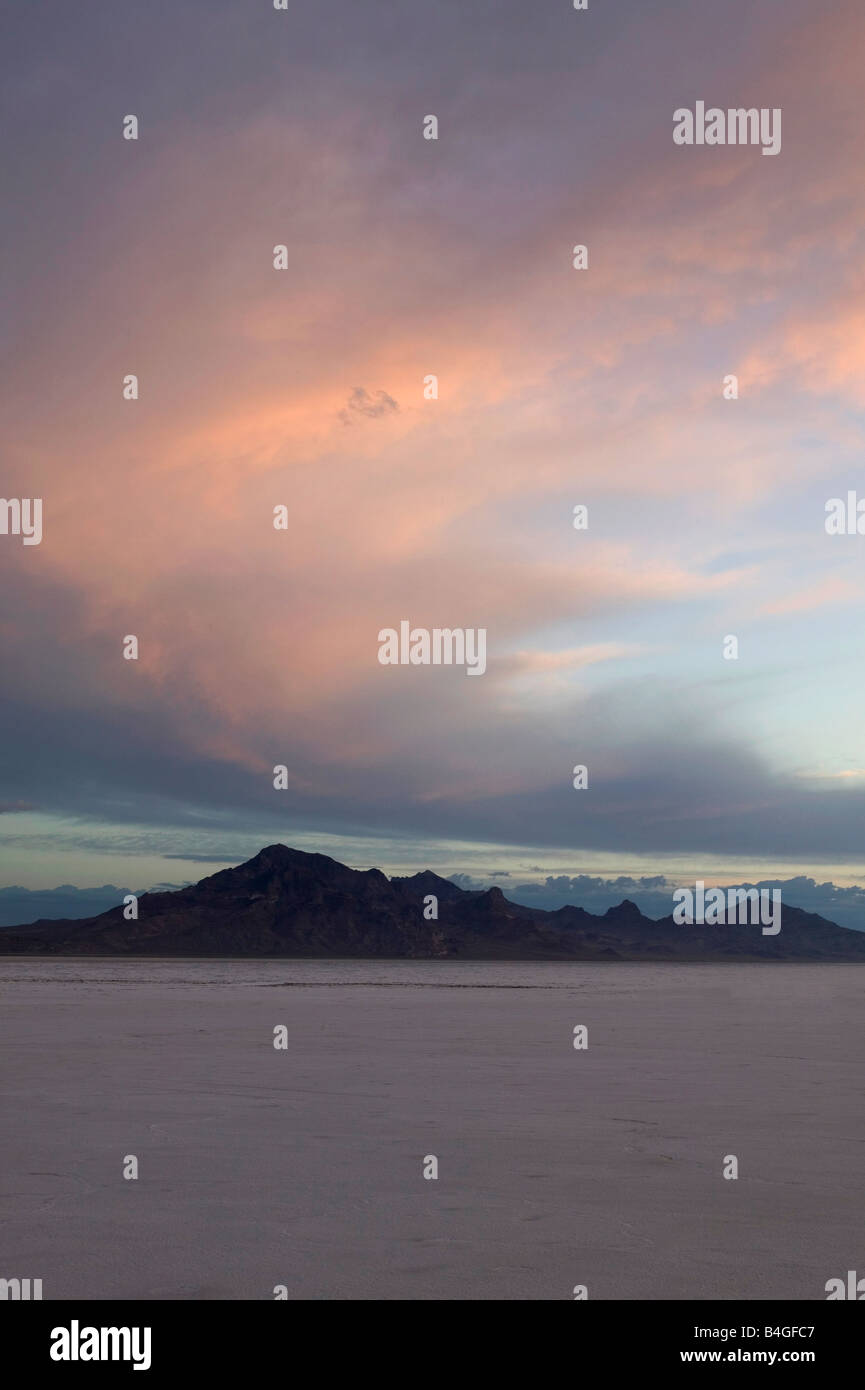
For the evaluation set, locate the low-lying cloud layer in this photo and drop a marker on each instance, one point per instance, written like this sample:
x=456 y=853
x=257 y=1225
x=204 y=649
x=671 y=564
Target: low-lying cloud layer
x=653 y=895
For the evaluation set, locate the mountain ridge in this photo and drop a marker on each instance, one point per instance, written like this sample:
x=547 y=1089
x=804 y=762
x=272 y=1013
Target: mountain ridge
x=287 y=902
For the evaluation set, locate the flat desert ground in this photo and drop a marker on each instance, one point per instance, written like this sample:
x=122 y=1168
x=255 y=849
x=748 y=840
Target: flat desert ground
x=304 y=1166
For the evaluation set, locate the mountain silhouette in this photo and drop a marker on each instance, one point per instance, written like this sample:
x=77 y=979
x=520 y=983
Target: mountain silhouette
x=284 y=902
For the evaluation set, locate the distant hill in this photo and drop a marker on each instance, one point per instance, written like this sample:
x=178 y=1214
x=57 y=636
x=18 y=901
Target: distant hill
x=285 y=902
x=26 y=904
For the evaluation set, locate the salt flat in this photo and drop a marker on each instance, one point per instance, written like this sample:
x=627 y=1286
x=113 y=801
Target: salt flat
x=304 y=1167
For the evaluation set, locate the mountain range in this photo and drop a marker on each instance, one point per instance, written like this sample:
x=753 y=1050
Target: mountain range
x=285 y=902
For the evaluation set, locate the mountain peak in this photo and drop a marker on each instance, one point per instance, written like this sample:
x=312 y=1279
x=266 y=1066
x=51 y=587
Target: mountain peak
x=626 y=911
x=428 y=882
x=282 y=852
x=283 y=856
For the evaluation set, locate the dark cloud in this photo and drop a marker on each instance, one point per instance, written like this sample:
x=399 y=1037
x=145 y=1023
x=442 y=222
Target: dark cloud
x=668 y=788
x=193 y=858
x=360 y=402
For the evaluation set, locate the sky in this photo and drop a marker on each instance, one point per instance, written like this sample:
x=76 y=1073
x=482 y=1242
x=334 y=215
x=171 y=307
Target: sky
x=557 y=387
